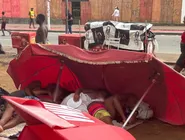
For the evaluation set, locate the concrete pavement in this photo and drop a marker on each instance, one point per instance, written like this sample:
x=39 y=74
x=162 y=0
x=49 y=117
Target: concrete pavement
x=168 y=30
x=168 y=57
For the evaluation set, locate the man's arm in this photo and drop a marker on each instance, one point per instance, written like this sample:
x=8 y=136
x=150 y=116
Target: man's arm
x=118 y=107
x=40 y=91
x=76 y=96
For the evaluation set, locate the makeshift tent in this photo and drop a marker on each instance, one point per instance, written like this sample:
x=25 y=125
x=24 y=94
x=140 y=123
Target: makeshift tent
x=123 y=72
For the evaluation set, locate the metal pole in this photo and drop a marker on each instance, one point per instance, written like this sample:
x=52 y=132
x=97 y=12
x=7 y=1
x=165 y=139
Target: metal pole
x=67 y=16
x=80 y=34
x=139 y=102
x=48 y=14
x=56 y=92
x=146 y=38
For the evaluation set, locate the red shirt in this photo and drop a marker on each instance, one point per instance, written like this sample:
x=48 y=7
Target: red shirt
x=183 y=38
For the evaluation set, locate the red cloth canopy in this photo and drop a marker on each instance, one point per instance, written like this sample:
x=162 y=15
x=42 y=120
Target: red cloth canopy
x=123 y=72
x=29 y=67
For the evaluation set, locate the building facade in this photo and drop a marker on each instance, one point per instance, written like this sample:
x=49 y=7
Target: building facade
x=155 y=11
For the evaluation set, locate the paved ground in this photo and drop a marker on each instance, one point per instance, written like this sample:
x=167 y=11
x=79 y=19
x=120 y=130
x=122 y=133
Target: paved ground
x=168 y=45
x=77 y=28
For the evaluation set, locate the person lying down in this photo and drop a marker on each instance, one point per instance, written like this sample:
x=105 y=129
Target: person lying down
x=10 y=119
x=107 y=108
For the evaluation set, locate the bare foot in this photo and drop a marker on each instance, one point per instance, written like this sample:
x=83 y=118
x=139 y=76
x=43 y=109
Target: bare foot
x=1 y=129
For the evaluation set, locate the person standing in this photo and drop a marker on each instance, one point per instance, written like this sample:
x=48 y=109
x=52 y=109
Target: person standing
x=70 y=22
x=180 y=64
x=116 y=14
x=32 y=16
x=42 y=31
x=3 y=23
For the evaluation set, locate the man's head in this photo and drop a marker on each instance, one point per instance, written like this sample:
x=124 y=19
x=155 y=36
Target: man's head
x=3 y=13
x=40 y=19
x=31 y=9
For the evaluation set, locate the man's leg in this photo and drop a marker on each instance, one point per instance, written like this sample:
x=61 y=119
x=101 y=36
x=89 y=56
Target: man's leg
x=3 y=28
x=180 y=63
x=6 y=30
x=33 y=23
x=70 y=29
x=6 y=116
x=177 y=68
x=30 y=23
x=107 y=120
x=14 y=122
x=3 y=32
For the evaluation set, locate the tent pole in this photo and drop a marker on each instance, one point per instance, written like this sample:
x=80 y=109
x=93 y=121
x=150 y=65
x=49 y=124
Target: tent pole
x=141 y=99
x=58 y=85
x=80 y=34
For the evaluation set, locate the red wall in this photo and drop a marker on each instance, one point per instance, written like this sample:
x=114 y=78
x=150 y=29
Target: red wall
x=160 y=11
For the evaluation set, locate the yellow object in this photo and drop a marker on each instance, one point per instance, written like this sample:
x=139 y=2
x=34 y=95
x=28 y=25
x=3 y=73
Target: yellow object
x=102 y=113
x=32 y=14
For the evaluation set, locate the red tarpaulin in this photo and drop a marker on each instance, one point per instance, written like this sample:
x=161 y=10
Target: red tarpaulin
x=62 y=123
x=122 y=72
x=28 y=67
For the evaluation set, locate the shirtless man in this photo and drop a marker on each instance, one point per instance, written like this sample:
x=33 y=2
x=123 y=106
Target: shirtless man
x=42 y=31
x=120 y=106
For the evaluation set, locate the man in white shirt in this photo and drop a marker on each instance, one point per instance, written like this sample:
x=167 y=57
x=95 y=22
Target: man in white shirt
x=116 y=14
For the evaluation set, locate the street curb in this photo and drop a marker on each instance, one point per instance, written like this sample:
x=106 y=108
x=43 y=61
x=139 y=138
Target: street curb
x=169 y=63
x=82 y=32
x=57 y=31
x=162 y=33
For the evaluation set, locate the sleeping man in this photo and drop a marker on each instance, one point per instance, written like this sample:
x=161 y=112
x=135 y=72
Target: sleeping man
x=115 y=107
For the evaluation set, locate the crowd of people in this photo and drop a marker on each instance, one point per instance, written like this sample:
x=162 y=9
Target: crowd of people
x=98 y=103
